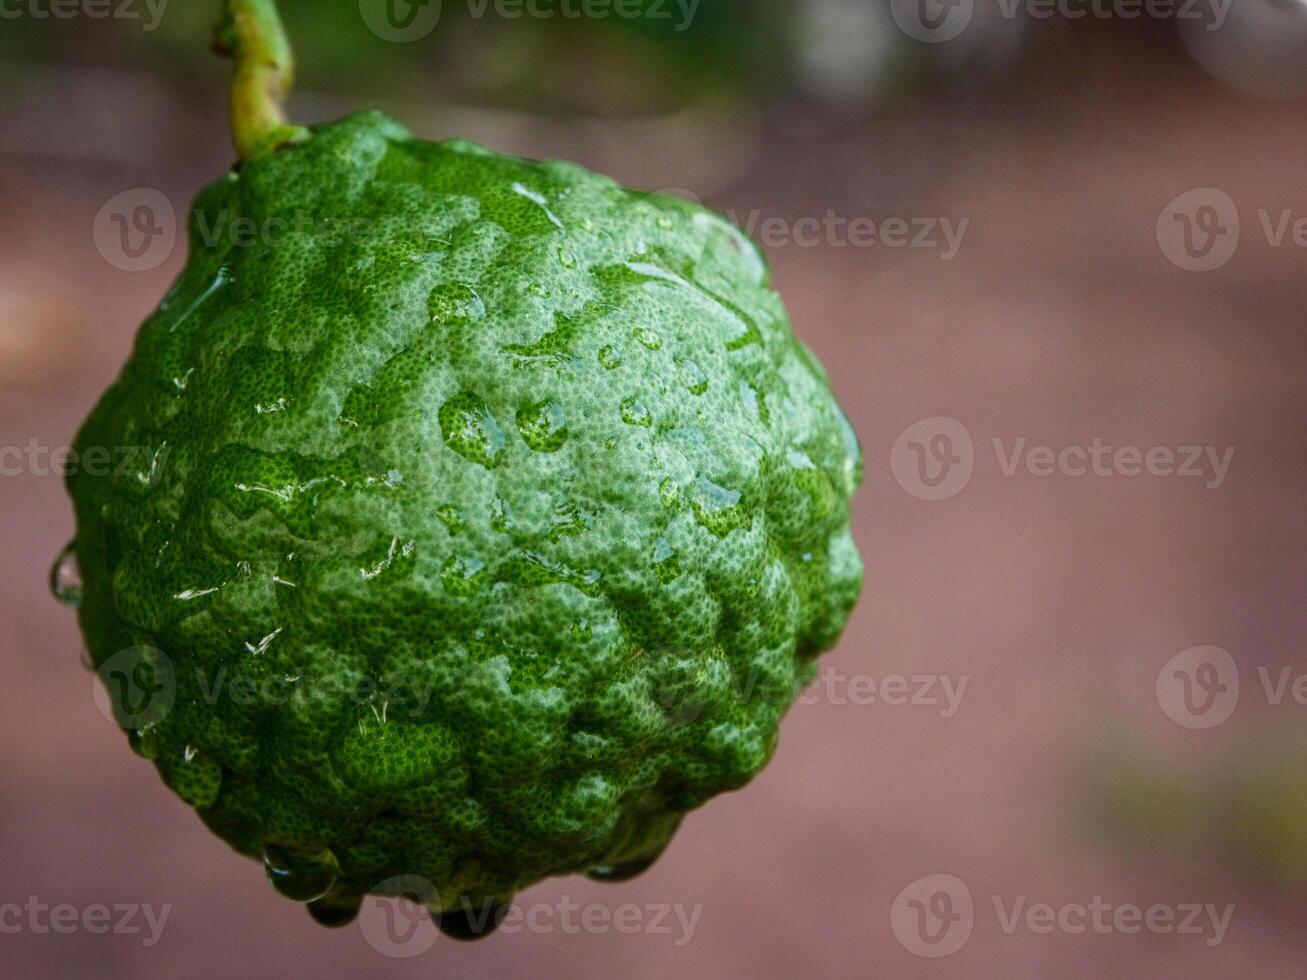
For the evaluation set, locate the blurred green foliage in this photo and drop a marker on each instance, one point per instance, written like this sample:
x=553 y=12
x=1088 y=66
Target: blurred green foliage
x=544 y=64
x=1245 y=810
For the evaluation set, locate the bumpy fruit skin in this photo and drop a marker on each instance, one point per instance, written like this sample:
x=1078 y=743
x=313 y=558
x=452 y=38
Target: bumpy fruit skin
x=487 y=514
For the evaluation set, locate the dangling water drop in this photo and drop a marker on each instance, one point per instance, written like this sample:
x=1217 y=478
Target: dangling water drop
x=144 y=742
x=66 y=577
x=335 y=909
x=296 y=875
x=621 y=872
x=471 y=431
x=634 y=412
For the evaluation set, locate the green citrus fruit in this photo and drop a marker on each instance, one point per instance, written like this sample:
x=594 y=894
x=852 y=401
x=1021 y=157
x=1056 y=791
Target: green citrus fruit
x=488 y=517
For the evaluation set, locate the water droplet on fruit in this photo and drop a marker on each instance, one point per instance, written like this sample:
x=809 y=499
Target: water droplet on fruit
x=670 y=491
x=501 y=519
x=718 y=508
x=144 y=742
x=454 y=302
x=620 y=872
x=529 y=568
x=470 y=429
x=298 y=876
x=634 y=412
x=543 y=426
x=470 y=920
x=334 y=914
x=569 y=520
x=696 y=382
x=749 y=395
x=664 y=558
x=198 y=780
x=451 y=517
x=566 y=258
x=538 y=199
x=609 y=358
x=66 y=577
x=648 y=337
x=460 y=574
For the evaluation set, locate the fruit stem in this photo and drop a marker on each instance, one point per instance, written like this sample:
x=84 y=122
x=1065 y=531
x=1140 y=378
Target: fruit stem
x=250 y=33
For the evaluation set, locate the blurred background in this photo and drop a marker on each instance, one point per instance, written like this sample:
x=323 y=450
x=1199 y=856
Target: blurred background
x=1003 y=226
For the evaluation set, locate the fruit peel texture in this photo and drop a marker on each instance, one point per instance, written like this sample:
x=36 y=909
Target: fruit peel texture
x=494 y=514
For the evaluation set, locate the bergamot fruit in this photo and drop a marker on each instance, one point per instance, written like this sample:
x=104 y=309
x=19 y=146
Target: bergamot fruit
x=489 y=518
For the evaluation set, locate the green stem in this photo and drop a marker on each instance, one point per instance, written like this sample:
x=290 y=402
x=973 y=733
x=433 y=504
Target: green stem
x=250 y=32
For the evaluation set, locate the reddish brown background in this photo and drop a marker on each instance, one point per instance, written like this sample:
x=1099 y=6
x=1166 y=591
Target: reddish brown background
x=1059 y=320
